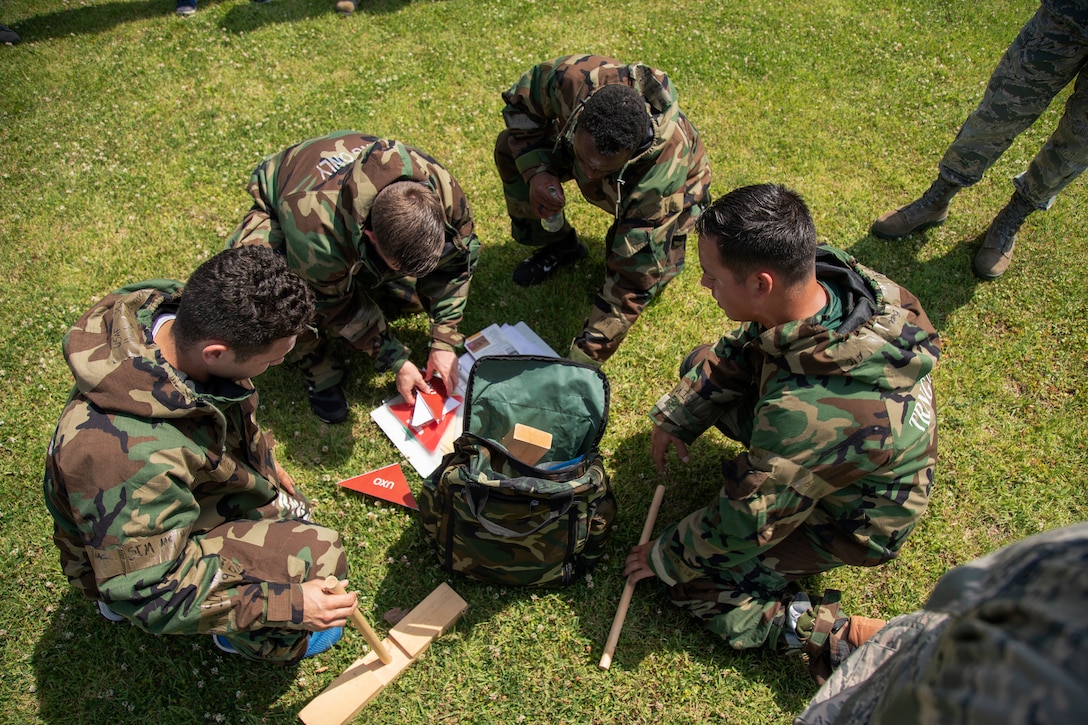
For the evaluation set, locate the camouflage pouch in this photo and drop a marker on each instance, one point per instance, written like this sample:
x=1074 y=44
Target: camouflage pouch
x=495 y=518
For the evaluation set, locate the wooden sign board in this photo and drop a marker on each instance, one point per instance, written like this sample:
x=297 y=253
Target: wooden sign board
x=360 y=683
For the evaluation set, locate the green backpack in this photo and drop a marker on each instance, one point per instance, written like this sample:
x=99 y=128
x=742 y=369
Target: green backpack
x=495 y=518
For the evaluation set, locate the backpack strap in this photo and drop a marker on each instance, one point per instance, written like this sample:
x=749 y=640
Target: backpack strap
x=825 y=648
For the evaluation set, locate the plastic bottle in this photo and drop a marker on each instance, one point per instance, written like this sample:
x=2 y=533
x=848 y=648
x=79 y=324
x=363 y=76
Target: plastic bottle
x=556 y=221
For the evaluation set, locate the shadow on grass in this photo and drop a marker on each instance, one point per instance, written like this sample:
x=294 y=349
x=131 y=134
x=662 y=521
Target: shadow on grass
x=943 y=284
x=94 y=19
x=90 y=670
x=555 y=309
x=104 y=16
x=653 y=623
x=251 y=16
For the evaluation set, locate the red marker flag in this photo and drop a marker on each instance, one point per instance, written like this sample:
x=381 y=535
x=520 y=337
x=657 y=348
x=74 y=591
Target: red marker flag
x=386 y=483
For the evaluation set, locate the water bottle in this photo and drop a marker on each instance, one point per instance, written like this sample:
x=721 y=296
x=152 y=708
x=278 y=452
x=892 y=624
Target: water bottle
x=556 y=221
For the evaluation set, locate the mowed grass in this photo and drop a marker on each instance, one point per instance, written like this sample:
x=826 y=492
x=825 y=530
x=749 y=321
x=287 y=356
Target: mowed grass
x=127 y=136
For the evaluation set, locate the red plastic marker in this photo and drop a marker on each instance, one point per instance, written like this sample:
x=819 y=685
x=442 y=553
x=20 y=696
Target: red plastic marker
x=386 y=483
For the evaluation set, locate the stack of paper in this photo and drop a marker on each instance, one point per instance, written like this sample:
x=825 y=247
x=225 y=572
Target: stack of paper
x=502 y=339
x=425 y=432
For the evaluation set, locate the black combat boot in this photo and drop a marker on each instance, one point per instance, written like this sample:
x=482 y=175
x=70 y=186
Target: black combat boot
x=995 y=255
x=928 y=210
x=545 y=261
x=329 y=405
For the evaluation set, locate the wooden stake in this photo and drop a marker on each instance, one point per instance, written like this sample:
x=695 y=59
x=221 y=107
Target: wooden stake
x=332 y=584
x=629 y=587
x=348 y=694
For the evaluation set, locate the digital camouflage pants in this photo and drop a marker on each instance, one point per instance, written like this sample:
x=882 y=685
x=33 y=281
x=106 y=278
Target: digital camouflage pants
x=1049 y=53
x=1002 y=639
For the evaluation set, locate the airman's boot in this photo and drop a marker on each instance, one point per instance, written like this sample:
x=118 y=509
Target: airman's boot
x=995 y=255
x=928 y=210
x=860 y=629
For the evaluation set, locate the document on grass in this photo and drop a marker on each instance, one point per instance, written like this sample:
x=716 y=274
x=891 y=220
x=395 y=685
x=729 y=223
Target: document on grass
x=395 y=417
x=517 y=339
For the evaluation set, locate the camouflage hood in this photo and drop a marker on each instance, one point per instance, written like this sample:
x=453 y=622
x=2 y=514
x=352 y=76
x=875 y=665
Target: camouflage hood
x=377 y=165
x=544 y=108
x=118 y=367
x=152 y=479
x=885 y=340
x=661 y=104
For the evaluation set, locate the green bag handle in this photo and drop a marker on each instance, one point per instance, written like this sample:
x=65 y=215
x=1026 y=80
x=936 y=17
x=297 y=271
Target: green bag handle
x=476 y=506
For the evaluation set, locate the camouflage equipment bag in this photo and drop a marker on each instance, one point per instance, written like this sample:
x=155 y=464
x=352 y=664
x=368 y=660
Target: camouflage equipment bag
x=495 y=518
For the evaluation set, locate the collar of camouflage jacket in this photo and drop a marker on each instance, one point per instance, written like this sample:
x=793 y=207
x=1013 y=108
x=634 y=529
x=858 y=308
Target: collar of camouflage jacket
x=118 y=367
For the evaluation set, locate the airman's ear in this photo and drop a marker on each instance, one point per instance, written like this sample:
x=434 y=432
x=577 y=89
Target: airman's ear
x=760 y=284
x=213 y=351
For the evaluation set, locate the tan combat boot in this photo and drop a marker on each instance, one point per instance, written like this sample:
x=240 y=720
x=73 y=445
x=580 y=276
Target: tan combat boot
x=860 y=629
x=930 y=209
x=995 y=255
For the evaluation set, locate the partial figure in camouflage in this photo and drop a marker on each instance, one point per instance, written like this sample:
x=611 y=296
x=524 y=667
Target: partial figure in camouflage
x=1049 y=53
x=827 y=383
x=616 y=129
x=170 y=509
x=369 y=223
x=1002 y=639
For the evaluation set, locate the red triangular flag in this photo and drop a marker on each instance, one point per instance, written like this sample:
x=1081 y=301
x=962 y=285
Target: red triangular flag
x=386 y=483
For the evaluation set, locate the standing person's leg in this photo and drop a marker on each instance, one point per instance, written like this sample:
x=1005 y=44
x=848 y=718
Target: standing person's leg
x=555 y=249
x=356 y=320
x=631 y=282
x=1025 y=81
x=323 y=375
x=1043 y=59
x=1062 y=159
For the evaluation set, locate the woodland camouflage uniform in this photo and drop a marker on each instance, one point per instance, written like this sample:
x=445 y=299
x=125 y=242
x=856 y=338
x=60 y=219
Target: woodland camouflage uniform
x=1002 y=639
x=164 y=494
x=654 y=199
x=841 y=434
x=312 y=203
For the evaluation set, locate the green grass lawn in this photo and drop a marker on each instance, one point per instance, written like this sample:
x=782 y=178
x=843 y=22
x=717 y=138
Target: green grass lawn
x=127 y=136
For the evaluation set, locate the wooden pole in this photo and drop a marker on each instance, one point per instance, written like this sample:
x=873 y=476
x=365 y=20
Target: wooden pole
x=629 y=587
x=332 y=584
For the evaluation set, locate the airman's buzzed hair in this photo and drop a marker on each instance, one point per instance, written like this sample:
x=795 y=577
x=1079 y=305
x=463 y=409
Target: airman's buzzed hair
x=616 y=118
x=245 y=297
x=762 y=226
x=410 y=225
